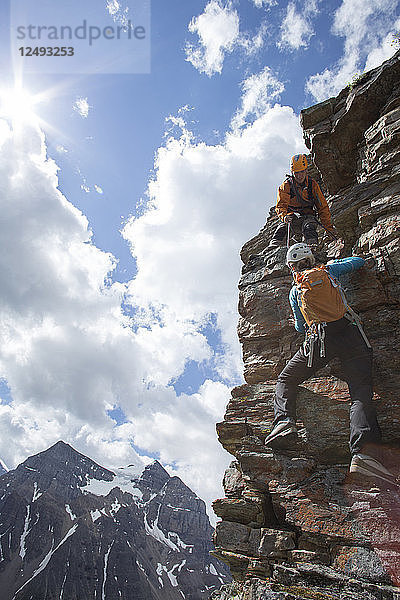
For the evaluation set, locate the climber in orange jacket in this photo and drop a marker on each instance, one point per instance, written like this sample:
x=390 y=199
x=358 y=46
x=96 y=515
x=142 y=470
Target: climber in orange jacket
x=299 y=198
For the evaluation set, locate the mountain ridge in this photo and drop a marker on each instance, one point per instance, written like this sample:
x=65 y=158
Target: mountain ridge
x=147 y=536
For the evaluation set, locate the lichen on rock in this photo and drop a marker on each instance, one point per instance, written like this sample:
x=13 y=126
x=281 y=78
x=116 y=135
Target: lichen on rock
x=294 y=524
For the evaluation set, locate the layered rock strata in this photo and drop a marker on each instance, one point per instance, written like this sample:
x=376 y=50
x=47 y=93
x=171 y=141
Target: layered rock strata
x=295 y=524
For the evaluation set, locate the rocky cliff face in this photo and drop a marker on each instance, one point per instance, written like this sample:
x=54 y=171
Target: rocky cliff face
x=72 y=530
x=294 y=524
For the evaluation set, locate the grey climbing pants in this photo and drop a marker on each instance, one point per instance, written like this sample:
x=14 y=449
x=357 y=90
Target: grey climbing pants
x=344 y=341
x=304 y=225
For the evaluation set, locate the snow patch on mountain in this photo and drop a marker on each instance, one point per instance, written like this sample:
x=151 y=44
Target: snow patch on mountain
x=124 y=479
x=95 y=514
x=103 y=589
x=47 y=558
x=170 y=573
x=36 y=492
x=175 y=543
x=69 y=512
x=157 y=534
x=22 y=548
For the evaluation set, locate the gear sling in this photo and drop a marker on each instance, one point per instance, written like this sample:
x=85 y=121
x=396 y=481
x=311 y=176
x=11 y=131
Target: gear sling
x=322 y=301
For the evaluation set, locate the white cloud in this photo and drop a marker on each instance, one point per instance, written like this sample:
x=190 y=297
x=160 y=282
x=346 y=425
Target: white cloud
x=118 y=12
x=66 y=345
x=259 y=91
x=70 y=354
x=218 y=30
x=267 y=3
x=252 y=44
x=296 y=29
x=187 y=245
x=386 y=49
x=206 y=201
x=81 y=106
x=366 y=26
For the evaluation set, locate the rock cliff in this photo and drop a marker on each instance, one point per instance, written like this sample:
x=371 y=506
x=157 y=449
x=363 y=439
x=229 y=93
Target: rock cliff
x=294 y=524
x=72 y=530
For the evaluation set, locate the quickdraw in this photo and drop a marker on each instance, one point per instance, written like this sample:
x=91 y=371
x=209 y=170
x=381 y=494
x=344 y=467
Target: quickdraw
x=315 y=333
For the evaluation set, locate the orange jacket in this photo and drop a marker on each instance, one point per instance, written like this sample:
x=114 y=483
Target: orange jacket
x=286 y=204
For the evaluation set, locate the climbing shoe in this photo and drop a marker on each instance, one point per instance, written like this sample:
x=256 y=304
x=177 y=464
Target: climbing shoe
x=281 y=432
x=370 y=467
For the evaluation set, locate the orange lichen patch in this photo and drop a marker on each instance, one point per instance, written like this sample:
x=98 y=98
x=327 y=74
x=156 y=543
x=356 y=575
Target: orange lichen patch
x=345 y=556
x=329 y=522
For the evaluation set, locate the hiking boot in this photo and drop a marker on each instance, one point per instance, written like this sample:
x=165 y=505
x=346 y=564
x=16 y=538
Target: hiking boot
x=370 y=467
x=276 y=243
x=280 y=433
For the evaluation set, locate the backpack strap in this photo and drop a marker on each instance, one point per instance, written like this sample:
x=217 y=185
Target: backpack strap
x=354 y=318
x=350 y=314
x=294 y=193
x=310 y=192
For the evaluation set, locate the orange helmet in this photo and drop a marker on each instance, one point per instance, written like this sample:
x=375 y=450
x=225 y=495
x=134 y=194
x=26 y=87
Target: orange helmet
x=299 y=163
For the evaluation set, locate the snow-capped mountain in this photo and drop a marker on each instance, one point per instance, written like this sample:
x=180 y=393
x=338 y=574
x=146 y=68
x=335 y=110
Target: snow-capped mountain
x=71 y=529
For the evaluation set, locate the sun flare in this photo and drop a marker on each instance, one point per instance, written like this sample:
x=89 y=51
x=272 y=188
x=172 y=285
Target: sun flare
x=18 y=105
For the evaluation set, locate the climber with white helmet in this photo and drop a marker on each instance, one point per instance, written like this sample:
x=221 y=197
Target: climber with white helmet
x=332 y=329
x=299 y=201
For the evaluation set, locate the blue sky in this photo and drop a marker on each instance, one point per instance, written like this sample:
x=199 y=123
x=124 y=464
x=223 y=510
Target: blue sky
x=126 y=123
x=119 y=315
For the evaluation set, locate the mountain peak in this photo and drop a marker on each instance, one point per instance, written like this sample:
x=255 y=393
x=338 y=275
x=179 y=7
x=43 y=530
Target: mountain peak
x=62 y=465
x=156 y=467
x=60 y=448
x=152 y=542
x=153 y=477
x=58 y=451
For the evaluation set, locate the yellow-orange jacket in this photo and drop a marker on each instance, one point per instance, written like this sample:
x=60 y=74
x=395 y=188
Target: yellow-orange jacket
x=288 y=203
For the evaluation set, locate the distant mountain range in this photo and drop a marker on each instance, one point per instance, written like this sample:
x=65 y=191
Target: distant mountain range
x=73 y=530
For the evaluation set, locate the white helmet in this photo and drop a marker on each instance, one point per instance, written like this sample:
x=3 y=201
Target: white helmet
x=299 y=252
